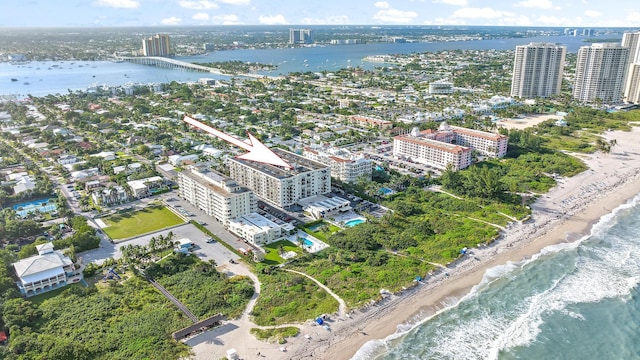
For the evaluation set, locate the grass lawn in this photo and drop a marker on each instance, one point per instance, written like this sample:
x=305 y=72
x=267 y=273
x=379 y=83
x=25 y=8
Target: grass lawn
x=133 y=223
x=272 y=257
x=322 y=230
x=39 y=299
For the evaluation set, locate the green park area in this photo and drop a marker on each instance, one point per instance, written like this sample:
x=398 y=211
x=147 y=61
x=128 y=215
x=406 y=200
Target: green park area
x=134 y=223
x=274 y=251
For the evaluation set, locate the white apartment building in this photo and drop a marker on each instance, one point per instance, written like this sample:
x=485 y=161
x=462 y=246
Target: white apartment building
x=218 y=196
x=345 y=166
x=632 y=76
x=441 y=87
x=110 y=196
x=489 y=144
x=448 y=145
x=258 y=230
x=600 y=72
x=537 y=70
x=431 y=152
x=632 y=89
x=279 y=186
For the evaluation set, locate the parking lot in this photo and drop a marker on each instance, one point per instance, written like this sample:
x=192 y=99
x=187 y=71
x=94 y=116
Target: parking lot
x=206 y=251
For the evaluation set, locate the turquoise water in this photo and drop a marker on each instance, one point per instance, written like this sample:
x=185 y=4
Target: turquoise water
x=572 y=301
x=315 y=227
x=354 y=222
x=307 y=242
x=386 y=191
x=43 y=206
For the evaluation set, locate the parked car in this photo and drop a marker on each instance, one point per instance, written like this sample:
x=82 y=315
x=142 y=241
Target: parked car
x=211 y=240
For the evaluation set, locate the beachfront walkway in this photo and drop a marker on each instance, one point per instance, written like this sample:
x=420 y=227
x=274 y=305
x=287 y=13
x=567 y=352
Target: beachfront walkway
x=342 y=309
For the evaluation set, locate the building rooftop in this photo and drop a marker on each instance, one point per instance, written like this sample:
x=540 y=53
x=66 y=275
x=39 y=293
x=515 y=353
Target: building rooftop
x=299 y=163
x=433 y=143
x=217 y=183
x=41 y=266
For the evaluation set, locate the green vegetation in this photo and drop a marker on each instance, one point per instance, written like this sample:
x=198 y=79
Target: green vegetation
x=130 y=320
x=287 y=297
x=275 y=249
x=118 y=319
x=322 y=229
x=357 y=276
x=133 y=223
x=584 y=126
x=278 y=335
x=201 y=288
x=83 y=238
x=237 y=67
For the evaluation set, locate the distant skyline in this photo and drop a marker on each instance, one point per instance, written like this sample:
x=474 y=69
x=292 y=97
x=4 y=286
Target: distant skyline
x=106 y=13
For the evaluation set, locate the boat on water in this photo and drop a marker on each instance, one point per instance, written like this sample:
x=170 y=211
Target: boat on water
x=26 y=83
x=14 y=79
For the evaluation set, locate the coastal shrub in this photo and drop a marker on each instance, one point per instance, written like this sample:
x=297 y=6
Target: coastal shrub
x=102 y=324
x=206 y=292
x=281 y=303
x=278 y=335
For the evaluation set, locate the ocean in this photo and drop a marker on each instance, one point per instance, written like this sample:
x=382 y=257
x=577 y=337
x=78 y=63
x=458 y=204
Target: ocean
x=576 y=300
x=41 y=78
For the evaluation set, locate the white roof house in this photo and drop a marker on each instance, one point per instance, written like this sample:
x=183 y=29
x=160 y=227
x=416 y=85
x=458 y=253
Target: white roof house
x=48 y=270
x=106 y=155
x=23 y=184
x=141 y=187
x=176 y=160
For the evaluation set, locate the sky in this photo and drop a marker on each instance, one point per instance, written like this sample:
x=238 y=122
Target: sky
x=106 y=13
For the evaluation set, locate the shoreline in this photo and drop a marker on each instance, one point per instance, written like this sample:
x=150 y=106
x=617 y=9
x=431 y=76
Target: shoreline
x=565 y=214
x=559 y=216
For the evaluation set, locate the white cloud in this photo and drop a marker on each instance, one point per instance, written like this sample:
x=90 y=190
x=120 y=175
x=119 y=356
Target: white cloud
x=445 y=21
x=541 y=4
x=481 y=13
x=272 y=20
x=171 y=21
x=331 y=20
x=128 y=4
x=452 y=2
x=230 y=19
x=235 y=2
x=558 y=21
x=592 y=13
x=198 y=5
x=201 y=16
x=389 y=15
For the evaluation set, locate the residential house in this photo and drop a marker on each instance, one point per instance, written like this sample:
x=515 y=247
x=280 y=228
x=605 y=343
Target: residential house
x=49 y=270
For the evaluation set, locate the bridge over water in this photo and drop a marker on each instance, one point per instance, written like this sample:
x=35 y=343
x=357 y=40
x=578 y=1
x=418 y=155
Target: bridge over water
x=178 y=64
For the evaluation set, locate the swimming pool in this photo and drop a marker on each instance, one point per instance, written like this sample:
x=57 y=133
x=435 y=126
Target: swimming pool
x=354 y=222
x=386 y=191
x=42 y=205
x=315 y=227
x=307 y=242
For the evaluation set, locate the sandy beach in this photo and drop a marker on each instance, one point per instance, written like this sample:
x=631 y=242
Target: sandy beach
x=566 y=213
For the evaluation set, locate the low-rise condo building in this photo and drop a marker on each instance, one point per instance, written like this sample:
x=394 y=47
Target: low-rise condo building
x=345 y=166
x=449 y=145
x=258 y=230
x=434 y=153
